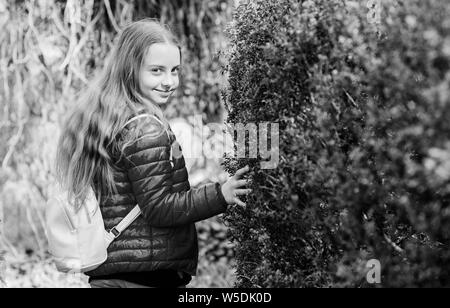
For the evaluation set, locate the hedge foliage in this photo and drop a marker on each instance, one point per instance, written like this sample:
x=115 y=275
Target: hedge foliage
x=364 y=172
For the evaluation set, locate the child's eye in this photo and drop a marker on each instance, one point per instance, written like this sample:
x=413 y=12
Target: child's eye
x=176 y=70
x=156 y=70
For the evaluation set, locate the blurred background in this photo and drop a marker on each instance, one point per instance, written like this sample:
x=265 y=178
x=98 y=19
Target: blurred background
x=49 y=50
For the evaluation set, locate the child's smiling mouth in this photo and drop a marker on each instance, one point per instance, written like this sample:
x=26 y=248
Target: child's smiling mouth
x=164 y=94
x=161 y=91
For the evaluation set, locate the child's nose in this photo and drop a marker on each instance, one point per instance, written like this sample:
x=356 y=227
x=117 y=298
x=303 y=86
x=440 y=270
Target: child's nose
x=168 y=81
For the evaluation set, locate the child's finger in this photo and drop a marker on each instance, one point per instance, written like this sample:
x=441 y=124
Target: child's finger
x=242 y=192
x=239 y=202
x=241 y=172
x=241 y=183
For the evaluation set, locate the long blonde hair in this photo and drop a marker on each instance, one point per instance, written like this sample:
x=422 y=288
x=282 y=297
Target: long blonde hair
x=88 y=144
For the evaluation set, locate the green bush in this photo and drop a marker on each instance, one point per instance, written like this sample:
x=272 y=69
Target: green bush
x=363 y=109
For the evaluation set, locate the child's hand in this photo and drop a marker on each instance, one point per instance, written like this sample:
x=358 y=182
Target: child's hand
x=233 y=187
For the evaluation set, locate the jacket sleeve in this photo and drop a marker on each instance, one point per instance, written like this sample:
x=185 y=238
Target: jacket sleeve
x=151 y=176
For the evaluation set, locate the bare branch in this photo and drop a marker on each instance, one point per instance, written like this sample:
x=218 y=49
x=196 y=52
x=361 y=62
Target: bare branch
x=59 y=25
x=35 y=232
x=111 y=15
x=21 y=103
x=395 y=246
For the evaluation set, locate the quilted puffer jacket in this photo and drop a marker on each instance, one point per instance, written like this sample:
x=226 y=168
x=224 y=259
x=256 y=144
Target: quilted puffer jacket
x=164 y=236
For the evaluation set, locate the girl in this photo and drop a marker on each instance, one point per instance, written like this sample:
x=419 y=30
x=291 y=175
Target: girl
x=117 y=142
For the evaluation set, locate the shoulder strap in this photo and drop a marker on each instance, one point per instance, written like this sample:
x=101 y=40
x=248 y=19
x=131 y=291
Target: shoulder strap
x=149 y=115
x=128 y=220
x=135 y=118
x=143 y=116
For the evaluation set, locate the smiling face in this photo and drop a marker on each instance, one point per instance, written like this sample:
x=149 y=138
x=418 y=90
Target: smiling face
x=159 y=75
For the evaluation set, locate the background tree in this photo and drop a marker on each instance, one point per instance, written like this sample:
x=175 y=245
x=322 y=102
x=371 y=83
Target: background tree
x=49 y=50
